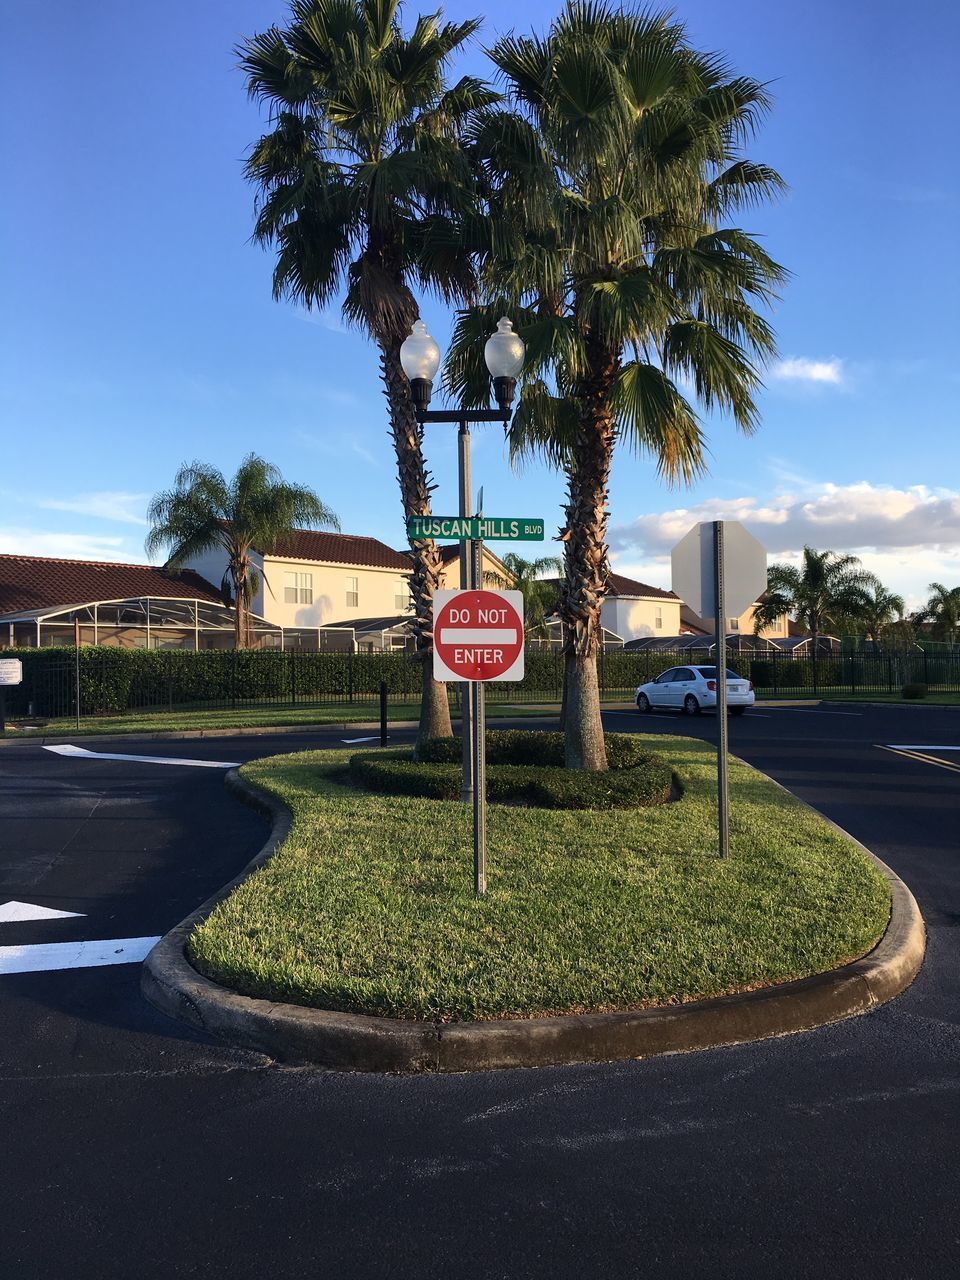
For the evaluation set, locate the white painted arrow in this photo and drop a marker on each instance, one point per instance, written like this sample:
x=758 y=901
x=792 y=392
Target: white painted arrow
x=82 y=752
x=11 y=911
x=42 y=957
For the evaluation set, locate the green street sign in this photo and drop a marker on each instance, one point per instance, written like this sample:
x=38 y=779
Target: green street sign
x=471 y=528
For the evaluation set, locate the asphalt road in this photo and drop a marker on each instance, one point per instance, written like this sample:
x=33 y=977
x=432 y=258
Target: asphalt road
x=131 y=1145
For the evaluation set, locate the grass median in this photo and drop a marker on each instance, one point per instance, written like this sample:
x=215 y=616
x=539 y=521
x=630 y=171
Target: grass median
x=368 y=907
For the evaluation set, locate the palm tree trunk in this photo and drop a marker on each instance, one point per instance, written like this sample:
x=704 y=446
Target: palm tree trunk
x=415 y=491
x=586 y=560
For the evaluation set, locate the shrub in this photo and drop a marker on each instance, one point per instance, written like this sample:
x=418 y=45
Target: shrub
x=532 y=747
x=914 y=691
x=648 y=780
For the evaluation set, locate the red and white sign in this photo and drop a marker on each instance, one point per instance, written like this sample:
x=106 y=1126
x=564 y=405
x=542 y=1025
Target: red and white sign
x=478 y=635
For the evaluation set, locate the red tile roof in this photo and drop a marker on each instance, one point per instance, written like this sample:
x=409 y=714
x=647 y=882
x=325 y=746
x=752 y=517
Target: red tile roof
x=340 y=548
x=621 y=586
x=38 y=582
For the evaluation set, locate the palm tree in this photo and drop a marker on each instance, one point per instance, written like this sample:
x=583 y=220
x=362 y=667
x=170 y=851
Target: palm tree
x=877 y=608
x=539 y=593
x=360 y=184
x=609 y=178
x=252 y=512
x=941 y=612
x=826 y=588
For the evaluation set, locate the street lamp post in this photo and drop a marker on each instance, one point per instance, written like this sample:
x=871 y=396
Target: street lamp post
x=420 y=359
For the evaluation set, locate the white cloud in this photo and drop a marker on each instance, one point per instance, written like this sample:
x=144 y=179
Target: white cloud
x=67 y=546
x=908 y=537
x=125 y=508
x=800 y=369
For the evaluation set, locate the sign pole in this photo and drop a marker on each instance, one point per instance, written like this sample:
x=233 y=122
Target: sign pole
x=720 y=632
x=76 y=661
x=479 y=754
x=466 y=575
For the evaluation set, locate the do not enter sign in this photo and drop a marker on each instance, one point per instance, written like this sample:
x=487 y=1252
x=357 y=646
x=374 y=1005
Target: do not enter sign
x=478 y=635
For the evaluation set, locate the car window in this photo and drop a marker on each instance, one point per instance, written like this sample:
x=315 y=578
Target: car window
x=684 y=674
x=665 y=677
x=710 y=673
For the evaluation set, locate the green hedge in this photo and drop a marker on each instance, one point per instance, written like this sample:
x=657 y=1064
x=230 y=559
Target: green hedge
x=638 y=778
x=532 y=747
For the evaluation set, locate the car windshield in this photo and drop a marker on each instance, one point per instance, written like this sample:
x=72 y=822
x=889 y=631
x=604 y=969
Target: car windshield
x=710 y=673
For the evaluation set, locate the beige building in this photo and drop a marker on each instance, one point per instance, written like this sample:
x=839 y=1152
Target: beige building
x=742 y=625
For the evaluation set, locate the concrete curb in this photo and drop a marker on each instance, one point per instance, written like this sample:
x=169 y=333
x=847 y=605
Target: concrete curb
x=174 y=735
x=355 y=1042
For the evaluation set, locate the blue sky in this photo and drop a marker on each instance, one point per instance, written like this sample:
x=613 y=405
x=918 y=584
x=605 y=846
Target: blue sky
x=139 y=329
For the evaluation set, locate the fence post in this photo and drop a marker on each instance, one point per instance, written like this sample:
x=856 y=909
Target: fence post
x=292 y=660
x=383 y=713
x=350 y=677
x=233 y=679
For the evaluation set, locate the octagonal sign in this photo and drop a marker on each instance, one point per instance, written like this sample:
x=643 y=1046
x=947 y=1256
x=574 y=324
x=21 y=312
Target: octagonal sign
x=478 y=635
x=744 y=569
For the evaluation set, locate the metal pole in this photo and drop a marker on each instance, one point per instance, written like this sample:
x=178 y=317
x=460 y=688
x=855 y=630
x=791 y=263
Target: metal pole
x=720 y=623
x=479 y=757
x=76 y=663
x=466 y=581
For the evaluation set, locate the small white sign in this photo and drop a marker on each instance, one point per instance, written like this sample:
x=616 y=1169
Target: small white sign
x=11 y=671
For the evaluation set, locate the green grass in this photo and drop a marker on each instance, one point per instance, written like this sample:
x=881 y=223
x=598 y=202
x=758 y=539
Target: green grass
x=251 y=718
x=369 y=905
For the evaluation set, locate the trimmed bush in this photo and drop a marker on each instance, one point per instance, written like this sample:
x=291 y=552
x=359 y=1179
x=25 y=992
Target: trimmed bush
x=914 y=691
x=531 y=747
x=648 y=780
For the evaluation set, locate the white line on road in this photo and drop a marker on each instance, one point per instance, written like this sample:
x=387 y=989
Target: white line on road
x=45 y=956
x=373 y=738
x=900 y=746
x=809 y=711
x=18 y=911
x=83 y=753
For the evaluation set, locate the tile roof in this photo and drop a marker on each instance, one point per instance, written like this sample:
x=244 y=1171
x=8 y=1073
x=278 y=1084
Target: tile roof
x=28 y=583
x=340 y=548
x=621 y=586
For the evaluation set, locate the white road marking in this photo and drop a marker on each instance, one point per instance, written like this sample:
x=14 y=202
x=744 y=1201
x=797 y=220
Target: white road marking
x=46 y=956
x=900 y=746
x=15 y=911
x=373 y=738
x=809 y=711
x=83 y=753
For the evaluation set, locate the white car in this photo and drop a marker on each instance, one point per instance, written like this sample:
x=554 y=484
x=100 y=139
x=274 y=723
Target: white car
x=692 y=689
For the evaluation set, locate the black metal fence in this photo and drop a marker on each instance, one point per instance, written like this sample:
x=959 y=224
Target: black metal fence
x=116 y=682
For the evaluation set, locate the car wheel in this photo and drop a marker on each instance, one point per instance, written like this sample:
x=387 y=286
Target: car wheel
x=691 y=706
x=737 y=711
x=643 y=703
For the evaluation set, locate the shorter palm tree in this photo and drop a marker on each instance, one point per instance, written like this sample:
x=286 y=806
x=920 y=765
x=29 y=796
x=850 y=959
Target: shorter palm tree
x=878 y=609
x=252 y=512
x=821 y=593
x=539 y=593
x=941 y=612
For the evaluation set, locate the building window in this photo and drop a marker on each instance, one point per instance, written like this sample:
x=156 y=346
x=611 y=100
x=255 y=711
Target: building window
x=353 y=593
x=402 y=598
x=734 y=624
x=658 y=617
x=298 y=588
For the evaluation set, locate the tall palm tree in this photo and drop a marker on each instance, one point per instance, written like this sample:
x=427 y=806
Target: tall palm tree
x=252 y=512
x=539 y=593
x=361 y=181
x=826 y=588
x=942 y=612
x=609 y=179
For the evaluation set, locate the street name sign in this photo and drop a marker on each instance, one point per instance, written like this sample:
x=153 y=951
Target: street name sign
x=744 y=569
x=476 y=528
x=11 y=671
x=477 y=635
